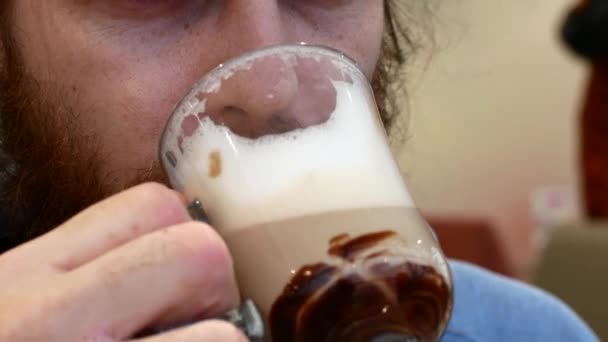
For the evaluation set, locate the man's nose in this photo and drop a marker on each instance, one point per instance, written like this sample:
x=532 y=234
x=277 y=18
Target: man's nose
x=275 y=92
x=266 y=97
x=250 y=101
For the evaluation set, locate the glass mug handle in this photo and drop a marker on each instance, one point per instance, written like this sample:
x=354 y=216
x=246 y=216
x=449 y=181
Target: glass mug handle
x=196 y=211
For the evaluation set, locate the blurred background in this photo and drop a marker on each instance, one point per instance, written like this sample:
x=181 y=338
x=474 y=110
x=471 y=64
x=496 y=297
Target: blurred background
x=494 y=152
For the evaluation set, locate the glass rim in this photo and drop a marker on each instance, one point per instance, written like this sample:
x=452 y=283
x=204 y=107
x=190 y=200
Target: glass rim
x=246 y=57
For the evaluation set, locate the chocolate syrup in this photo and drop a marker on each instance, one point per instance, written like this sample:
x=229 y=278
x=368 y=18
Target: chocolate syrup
x=378 y=301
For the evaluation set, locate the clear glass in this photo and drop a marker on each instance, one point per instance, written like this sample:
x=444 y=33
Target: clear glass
x=285 y=149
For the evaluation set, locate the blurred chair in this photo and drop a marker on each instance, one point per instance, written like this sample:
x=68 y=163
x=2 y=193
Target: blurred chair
x=573 y=266
x=472 y=240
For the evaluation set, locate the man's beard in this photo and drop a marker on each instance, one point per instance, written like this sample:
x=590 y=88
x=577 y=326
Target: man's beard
x=49 y=169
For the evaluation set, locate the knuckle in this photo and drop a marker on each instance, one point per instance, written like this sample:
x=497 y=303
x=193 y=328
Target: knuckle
x=198 y=245
x=162 y=204
x=206 y=262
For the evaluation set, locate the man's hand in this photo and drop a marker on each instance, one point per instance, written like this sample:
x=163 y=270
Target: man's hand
x=133 y=261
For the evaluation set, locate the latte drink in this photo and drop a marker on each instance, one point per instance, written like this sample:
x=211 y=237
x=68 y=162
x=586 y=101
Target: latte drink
x=325 y=237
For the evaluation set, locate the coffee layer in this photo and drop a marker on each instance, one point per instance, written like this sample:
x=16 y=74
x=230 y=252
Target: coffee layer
x=333 y=303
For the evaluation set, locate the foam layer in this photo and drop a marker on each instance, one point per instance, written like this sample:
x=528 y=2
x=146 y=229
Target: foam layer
x=341 y=164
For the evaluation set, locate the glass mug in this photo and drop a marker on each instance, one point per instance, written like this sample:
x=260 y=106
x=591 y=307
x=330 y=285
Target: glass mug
x=284 y=149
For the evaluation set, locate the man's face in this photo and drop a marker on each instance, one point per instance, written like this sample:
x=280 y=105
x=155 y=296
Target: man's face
x=87 y=86
x=121 y=65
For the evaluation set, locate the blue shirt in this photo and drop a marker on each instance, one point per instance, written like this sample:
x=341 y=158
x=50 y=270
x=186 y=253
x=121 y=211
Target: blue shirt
x=490 y=307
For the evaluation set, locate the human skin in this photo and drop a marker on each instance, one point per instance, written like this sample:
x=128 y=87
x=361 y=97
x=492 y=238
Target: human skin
x=123 y=65
x=135 y=260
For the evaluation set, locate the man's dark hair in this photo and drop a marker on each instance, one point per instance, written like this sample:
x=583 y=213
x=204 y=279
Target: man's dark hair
x=404 y=34
x=33 y=202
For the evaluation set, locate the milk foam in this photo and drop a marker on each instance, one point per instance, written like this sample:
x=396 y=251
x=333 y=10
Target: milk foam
x=343 y=163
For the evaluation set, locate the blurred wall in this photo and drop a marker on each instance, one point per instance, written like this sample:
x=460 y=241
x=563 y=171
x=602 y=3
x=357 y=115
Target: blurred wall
x=493 y=114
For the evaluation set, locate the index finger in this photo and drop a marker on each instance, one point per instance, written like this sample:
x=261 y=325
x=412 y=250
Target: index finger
x=102 y=227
